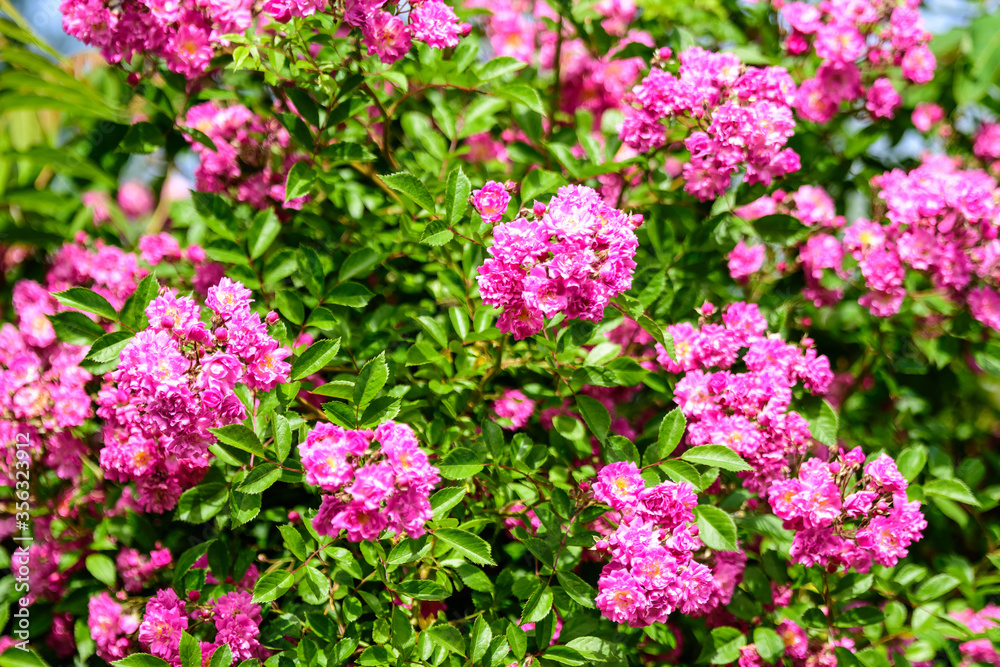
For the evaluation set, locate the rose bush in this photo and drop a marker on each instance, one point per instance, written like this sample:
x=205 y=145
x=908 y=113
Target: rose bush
x=500 y=333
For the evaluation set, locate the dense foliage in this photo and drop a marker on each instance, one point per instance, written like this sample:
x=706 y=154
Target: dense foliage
x=355 y=332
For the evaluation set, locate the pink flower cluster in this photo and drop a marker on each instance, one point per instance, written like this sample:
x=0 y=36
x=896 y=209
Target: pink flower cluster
x=841 y=523
x=369 y=490
x=184 y=33
x=979 y=651
x=743 y=115
x=573 y=259
x=939 y=222
x=110 y=627
x=137 y=569
x=235 y=617
x=515 y=407
x=877 y=34
x=388 y=37
x=251 y=157
x=43 y=392
x=174 y=381
x=986 y=144
x=748 y=411
x=652 y=570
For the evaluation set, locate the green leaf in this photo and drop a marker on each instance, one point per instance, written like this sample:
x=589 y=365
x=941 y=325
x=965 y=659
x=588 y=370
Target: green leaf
x=538 y=605
x=421 y=589
x=436 y=233
x=300 y=182
x=595 y=414
x=856 y=617
x=293 y=541
x=564 y=655
x=370 y=380
x=109 y=346
x=103 y=568
x=498 y=67
x=482 y=635
x=671 y=432
x=522 y=94
x=314 y=586
x=75 y=328
x=282 y=437
x=352 y=295
x=239 y=436
x=538 y=182
x=726 y=643
x=447 y=637
x=444 y=499
x=221 y=657
x=141 y=660
x=679 y=471
x=264 y=230
x=402 y=632
x=456 y=198
x=953 y=489
x=133 y=313
x=517 y=640
x=473 y=547
x=357 y=262
x=88 y=301
x=409 y=550
x=769 y=644
x=410 y=187
x=716 y=528
x=659 y=335
x=824 y=427
x=190 y=650
x=272 y=586
x=460 y=463
x=141 y=138
x=318 y=355
x=936 y=587
x=578 y=589
x=200 y=503
x=290 y=305
x=261 y=478
x=716 y=456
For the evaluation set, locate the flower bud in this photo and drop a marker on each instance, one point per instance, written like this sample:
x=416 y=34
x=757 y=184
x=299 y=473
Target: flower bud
x=271 y=317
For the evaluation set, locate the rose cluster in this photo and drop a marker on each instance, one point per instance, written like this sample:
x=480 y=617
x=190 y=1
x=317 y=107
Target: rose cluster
x=742 y=114
x=939 y=222
x=652 y=570
x=234 y=615
x=388 y=37
x=748 y=411
x=175 y=380
x=515 y=407
x=370 y=490
x=183 y=33
x=251 y=157
x=572 y=259
x=842 y=523
x=877 y=34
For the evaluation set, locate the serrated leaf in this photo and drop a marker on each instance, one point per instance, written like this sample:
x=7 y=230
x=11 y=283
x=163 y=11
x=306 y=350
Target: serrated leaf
x=824 y=427
x=352 y=295
x=953 y=489
x=460 y=463
x=769 y=644
x=716 y=456
x=716 y=528
x=671 y=432
x=578 y=589
x=357 y=262
x=679 y=471
x=473 y=547
x=410 y=187
x=264 y=230
x=436 y=233
x=370 y=380
x=448 y=637
x=293 y=541
x=133 y=313
x=200 y=503
x=139 y=660
x=272 y=586
x=109 y=346
x=300 y=181
x=538 y=605
x=498 y=67
x=595 y=414
x=75 y=328
x=261 y=478
x=444 y=499
x=88 y=301
x=482 y=635
x=239 y=436
x=318 y=355
x=456 y=198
